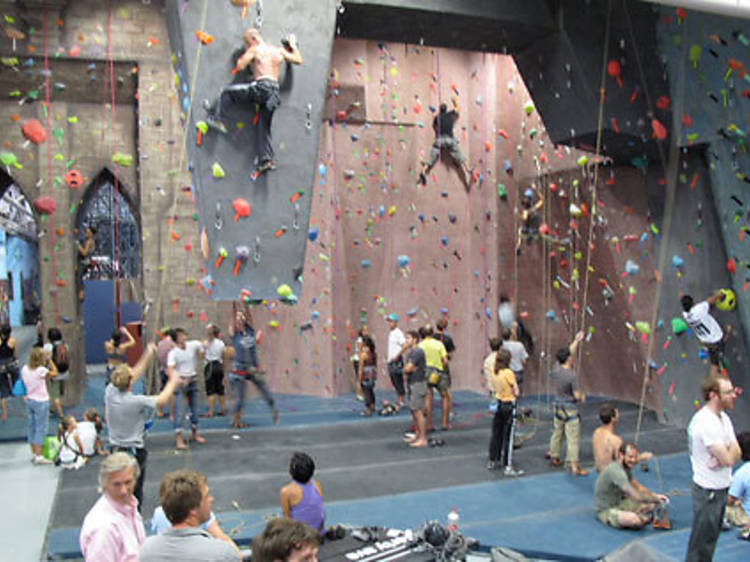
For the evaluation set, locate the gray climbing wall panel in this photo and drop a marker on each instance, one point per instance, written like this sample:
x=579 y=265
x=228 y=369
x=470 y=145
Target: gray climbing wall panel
x=275 y=232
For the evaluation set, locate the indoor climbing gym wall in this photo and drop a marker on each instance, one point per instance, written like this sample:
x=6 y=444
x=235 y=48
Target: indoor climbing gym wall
x=252 y=229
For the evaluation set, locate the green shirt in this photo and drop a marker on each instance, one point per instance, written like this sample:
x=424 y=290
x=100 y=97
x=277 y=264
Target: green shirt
x=610 y=486
x=434 y=352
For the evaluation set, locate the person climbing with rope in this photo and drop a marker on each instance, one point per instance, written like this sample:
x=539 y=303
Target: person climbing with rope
x=85 y=250
x=706 y=328
x=265 y=62
x=530 y=217
x=442 y=124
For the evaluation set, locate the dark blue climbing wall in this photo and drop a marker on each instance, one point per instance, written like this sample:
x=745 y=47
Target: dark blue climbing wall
x=276 y=230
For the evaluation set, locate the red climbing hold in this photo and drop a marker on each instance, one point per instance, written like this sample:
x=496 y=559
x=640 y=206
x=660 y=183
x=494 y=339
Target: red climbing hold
x=73 y=179
x=241 y=208
x=33 y=130
x=44 y=205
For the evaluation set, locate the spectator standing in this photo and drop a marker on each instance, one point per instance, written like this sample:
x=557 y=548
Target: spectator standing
x=57 y=350
x=396 y=342
x=213 y=370
x=35 y=374
x=713 y=450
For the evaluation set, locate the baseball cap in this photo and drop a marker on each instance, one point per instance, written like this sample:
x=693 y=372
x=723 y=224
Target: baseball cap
x=392 y=317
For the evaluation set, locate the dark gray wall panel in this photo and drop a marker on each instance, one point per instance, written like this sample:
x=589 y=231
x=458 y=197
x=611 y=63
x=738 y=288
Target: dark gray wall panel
x=295 y=144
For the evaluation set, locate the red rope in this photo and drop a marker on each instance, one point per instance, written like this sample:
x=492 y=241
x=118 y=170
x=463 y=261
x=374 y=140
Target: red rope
x=116 y=188
x=51 y=217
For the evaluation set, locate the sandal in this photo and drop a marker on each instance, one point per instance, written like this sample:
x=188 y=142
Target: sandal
x=555 y=461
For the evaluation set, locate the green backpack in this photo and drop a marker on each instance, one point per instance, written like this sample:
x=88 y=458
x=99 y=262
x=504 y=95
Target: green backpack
x=50 y=447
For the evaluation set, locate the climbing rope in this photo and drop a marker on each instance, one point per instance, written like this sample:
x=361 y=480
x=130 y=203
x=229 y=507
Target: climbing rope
x=51 y=218
x=593 y=212
x=114 y=203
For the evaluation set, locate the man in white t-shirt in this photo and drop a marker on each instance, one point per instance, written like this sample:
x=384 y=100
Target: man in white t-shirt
x=706 y=328
x=713 y=451
x=181 y=361
x=518 y=354
x=396 y=343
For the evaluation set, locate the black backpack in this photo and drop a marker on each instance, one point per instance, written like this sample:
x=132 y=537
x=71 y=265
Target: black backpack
x=60 y=356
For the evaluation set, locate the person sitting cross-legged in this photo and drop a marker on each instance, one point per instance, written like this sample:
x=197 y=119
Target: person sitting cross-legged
x=624 y=503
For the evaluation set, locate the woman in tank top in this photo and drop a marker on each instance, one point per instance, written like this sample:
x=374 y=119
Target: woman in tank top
x=116 y=348
x=8 y=367
x=302 y=498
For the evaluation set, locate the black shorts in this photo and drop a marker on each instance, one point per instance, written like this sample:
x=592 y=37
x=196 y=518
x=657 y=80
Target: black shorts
x=396 y=372
x=214 y=373
x=715 y=352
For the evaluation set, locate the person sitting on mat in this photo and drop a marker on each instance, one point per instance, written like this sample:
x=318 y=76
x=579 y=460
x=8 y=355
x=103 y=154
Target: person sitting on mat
x=621 y=501
x=606 y=442
x=302 y=498
x=265 y=62
x=738 y=500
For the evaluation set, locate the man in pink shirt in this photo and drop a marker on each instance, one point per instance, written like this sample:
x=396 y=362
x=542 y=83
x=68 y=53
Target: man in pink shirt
x=113 y=529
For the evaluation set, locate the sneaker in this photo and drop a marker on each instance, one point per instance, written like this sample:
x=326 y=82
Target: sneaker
x=726 y=525
x=360 y=398
x=409 y=435
x=216 y=123
x=491 y=465
x=41 y=460
x=422 y=178
x=510 y=471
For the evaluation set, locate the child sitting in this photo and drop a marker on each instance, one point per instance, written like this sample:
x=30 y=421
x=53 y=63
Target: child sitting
x=70 y=455
x=89 y=432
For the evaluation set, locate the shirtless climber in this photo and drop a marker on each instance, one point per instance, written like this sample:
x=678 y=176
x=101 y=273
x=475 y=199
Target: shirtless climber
x=606 y=443
x=265 y=62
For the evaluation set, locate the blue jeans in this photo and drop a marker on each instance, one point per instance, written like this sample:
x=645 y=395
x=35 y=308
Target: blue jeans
x=37 y=414
x=191 y=393
x=237 y=382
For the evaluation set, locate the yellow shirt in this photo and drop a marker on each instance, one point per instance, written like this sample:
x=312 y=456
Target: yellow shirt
x=504 y=381
x=434 y=351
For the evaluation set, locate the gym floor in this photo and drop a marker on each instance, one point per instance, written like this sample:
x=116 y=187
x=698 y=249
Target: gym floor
x=370 y=477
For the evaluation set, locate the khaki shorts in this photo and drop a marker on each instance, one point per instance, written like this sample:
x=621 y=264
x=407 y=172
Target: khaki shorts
x=611 y=516
x=55 y=389
x=417 y=395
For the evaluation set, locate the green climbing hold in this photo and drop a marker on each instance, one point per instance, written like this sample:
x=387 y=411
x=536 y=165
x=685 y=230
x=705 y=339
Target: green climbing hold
x=122 y=159
x=9 y=159
x=501 y=191
x=217 y=171
x=679 y=326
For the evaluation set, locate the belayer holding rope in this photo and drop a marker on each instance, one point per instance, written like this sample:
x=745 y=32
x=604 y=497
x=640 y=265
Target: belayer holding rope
x=265 y=62
x=442 y=124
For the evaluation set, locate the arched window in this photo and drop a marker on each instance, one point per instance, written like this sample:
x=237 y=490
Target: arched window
x=108 y=211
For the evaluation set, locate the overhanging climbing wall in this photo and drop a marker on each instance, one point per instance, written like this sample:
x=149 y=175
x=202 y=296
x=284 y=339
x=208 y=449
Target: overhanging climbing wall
x=275 y=231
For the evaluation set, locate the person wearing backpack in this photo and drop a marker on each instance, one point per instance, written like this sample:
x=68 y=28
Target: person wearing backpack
x=57 y=351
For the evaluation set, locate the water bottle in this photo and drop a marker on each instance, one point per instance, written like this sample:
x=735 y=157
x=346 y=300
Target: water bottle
x=453 y=519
